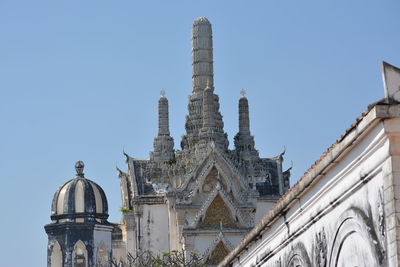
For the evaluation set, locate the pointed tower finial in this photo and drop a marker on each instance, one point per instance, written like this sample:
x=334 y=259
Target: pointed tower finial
x=243 y=92
x=162 y=93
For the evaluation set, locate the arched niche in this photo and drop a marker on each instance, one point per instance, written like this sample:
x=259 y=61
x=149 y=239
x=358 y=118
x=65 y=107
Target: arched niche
x=79 y=255
x=218 y=254
x=296 y=261
x=298 y=257
x=354 y=242
x=102 y=257
x=56 y=255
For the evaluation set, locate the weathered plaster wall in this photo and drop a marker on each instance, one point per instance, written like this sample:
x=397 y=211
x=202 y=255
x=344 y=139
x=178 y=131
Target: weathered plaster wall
x=154 y=228
x=392 y=191
x=174 y=231
x=340 y=220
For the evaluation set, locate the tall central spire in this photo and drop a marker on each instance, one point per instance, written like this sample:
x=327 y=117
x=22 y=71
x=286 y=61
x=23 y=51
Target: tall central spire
x=204 y=123
x=202 y=55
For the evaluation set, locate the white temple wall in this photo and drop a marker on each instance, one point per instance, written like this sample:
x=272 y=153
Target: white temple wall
x=119 y=251
x=392 y=191
x=340 y=220
x=174 y=232
x=129 y=233
x=155 y=228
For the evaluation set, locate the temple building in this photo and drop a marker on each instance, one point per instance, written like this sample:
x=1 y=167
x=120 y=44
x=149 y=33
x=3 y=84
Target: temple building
x=204 y=197
x=234 y=207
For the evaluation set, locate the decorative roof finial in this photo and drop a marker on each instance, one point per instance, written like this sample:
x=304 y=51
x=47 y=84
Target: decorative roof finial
x=242 y=92
x=79 y=166
x=162 y=93
x=391 y=81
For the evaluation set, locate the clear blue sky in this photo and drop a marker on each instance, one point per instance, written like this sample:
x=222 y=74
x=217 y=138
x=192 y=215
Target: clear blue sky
x=80 y=80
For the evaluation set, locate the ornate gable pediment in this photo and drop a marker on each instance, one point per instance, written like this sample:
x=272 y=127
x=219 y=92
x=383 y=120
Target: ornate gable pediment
x=216 y=216
x=226 y=174
x=219 y=208
x=218 y=249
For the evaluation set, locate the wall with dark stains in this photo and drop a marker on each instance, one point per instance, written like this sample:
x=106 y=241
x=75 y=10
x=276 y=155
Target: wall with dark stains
x=347 y=217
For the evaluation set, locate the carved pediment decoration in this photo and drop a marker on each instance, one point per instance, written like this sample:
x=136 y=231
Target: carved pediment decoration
x=214 y=158
x=216 y=216
x=218 y=254
x=217 y=250
x=216 y=209
x=214 y=169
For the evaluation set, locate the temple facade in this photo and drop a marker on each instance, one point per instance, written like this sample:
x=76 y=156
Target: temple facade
x=205 y=196
x=234 y=207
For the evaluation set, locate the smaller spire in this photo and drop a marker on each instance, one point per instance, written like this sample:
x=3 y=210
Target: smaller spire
x=163 y=143
x=163 y=115
x=244 y=142
x=244 y=121
x=79 y=166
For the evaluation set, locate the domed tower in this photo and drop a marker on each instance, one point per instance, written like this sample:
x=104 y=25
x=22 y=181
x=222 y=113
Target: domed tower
x=79 y=234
